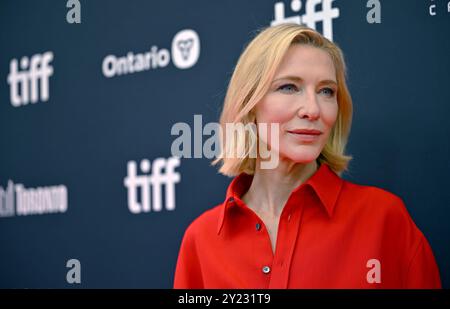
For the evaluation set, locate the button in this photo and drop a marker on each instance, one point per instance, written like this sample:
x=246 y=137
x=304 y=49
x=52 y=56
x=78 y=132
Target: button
x=258 y=226
x=289 y=217
x=231 y=200
x=266 y=269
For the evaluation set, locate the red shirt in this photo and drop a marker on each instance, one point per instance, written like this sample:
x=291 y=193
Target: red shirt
x=332 y=234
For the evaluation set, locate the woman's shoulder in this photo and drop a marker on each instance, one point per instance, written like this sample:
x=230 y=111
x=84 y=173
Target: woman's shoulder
x=371 y=192
x=377 y=202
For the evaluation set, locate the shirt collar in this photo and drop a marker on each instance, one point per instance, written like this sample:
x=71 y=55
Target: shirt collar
x=325 y=183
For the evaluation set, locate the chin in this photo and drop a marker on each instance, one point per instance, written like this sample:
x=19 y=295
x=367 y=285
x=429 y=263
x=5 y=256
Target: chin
x=302 y=156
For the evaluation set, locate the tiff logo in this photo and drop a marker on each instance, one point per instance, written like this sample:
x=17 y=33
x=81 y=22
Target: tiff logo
x=150 y=186
x=311 y=17
x=24 y=82
x=444 y=7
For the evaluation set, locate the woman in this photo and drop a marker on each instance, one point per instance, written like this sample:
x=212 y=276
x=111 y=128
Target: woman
x=299 y=224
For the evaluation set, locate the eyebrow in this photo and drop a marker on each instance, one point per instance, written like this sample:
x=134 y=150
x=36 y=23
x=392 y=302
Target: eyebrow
x=299 y=79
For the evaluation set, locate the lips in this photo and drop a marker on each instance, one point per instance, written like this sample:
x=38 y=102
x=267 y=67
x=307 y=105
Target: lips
x=305 y=135
x=305 y=131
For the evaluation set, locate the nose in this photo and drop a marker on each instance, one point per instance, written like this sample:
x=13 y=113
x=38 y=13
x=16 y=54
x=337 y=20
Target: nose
x=308 y=107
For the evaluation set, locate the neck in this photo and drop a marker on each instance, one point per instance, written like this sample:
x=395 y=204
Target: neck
x=271 y=188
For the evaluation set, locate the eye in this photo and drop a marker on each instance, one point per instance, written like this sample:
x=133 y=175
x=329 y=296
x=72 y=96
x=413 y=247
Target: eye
x=287 y=88
x=329 y=92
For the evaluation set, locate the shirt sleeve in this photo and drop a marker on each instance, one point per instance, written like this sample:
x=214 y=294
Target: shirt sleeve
x=423 y=272
x=188 y=272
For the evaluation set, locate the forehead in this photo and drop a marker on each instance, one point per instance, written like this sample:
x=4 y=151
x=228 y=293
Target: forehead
x=307 y=62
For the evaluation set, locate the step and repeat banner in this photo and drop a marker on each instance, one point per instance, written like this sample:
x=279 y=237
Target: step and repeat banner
x=95 y=95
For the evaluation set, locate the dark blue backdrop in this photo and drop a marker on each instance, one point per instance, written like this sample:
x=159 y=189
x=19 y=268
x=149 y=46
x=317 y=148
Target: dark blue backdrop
x=82 y=137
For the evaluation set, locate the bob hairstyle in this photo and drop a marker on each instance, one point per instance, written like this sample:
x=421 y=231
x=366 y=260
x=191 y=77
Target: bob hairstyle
x=251 y=80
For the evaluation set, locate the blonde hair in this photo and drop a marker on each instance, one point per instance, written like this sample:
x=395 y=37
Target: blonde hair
x=251 y=79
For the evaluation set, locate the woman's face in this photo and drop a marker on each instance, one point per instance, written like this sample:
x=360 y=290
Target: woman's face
x=302 y=96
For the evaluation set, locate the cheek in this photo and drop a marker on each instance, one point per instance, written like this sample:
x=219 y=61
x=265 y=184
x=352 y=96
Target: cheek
x=273 y=110
x=329 y=114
